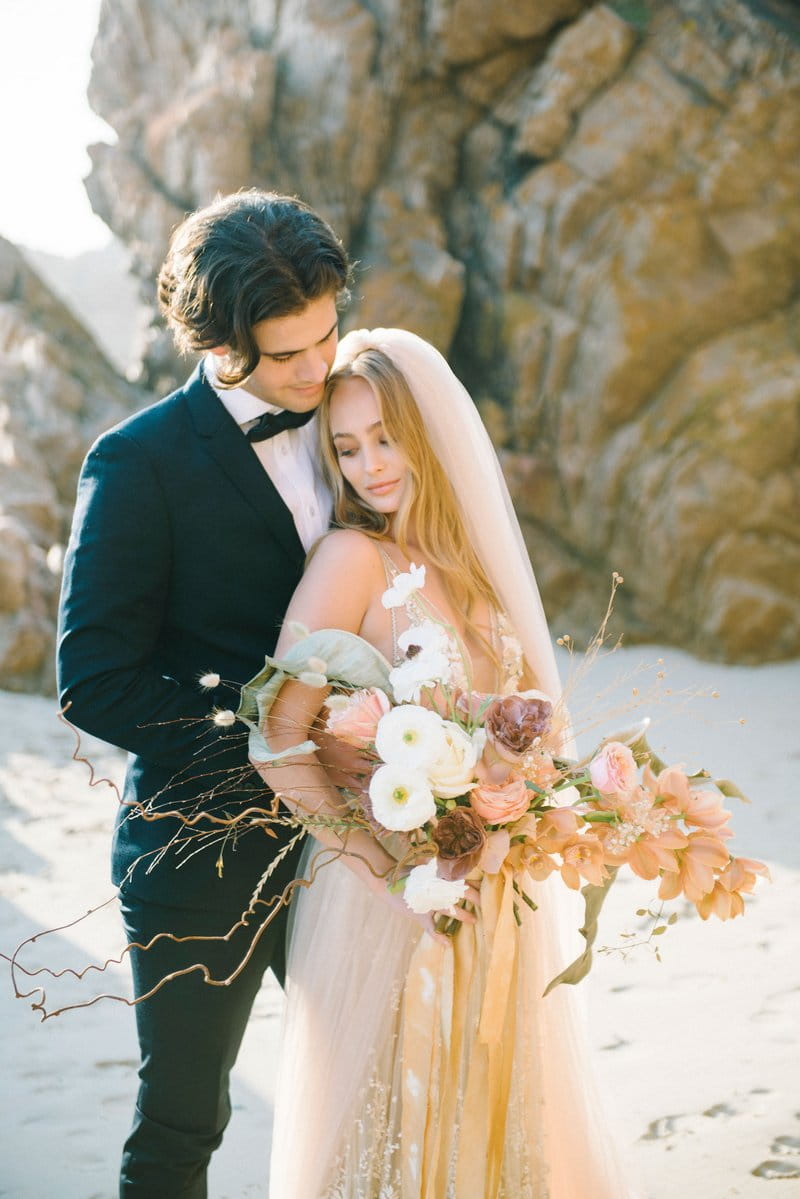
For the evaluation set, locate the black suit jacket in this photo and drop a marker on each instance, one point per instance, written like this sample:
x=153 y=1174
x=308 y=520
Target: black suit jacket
x=182 y=560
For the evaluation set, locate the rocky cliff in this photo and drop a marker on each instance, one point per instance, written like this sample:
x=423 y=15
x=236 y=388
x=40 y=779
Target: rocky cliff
x=593 y=209
x=57 y=392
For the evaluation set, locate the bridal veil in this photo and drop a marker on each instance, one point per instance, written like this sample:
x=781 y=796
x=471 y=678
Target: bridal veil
x=339 y=1130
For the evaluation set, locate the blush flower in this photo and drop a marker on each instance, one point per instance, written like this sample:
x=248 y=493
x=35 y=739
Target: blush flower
x=697 y=863
x=427 y=891
x=582 y=858
x=355 y=718
x=556 y=828
x=697 y=806
x=512 y=724
x=501 y=803
x=460 y=838
x=726 y=900
x=613 y=769
x=401 y=798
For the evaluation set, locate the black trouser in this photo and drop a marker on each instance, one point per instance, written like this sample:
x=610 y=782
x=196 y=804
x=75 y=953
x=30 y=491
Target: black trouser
x=189 y=1036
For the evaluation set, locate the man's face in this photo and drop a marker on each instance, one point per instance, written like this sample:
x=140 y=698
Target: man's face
x=297 y=352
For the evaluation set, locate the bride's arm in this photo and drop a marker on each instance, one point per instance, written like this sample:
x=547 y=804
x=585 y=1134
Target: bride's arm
x=343 y=576
x=334 y=593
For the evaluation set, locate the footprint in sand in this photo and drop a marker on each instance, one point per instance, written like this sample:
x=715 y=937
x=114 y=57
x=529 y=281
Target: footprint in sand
x=665 y=1126
x=720 y=1109
x=777 y=1170
x=784 y=1147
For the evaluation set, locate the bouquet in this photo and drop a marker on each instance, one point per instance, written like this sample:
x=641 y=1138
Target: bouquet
x=465 y=784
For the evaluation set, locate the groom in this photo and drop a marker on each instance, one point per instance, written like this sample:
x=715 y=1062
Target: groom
x=192 y=522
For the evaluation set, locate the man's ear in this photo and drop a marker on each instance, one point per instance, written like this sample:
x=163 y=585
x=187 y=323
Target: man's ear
x=220 y=351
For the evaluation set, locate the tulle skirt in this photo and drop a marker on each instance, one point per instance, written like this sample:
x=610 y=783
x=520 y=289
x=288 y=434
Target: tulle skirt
x=411 y=1070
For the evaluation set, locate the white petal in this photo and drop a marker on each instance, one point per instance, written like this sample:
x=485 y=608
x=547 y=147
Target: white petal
x=401 y=798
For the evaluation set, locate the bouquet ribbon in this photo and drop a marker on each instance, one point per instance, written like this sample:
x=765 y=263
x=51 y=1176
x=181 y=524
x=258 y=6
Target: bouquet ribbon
x=451 y=998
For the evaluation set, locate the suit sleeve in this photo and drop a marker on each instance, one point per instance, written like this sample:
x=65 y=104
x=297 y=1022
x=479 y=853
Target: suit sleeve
x=113 y=604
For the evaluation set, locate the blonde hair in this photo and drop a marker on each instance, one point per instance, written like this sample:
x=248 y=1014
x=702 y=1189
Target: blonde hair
x=438 y=527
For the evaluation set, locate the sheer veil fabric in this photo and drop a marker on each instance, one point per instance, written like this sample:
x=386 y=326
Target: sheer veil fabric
x=385 y=1088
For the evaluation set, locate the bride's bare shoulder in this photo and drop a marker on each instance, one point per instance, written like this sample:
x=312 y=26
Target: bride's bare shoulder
x=341 y=578
x=348 y=549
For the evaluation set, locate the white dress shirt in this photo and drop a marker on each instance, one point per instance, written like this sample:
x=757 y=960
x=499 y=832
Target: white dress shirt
x=290 y=459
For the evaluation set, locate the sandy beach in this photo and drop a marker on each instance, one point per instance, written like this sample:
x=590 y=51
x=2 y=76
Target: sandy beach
x=699 y=1051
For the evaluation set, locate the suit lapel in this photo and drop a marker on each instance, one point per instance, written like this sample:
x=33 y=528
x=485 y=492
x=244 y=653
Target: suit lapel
x=232 y=452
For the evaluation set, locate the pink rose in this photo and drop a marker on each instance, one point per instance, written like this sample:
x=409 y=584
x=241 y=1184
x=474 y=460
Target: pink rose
x=500 y=803
x=354 y=718
x=613 y=769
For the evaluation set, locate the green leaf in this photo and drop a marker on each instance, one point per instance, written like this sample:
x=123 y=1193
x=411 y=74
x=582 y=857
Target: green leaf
x=673 y=919
x=730 y=790
x=594 y=898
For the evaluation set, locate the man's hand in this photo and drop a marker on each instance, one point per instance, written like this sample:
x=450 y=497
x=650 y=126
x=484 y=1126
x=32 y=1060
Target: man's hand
x=345 y=765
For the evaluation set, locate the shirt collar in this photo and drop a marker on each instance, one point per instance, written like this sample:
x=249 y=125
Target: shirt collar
x=242 y=406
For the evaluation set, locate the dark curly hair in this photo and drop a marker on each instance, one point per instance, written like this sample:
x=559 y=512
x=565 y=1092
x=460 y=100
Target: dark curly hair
x=245 y=258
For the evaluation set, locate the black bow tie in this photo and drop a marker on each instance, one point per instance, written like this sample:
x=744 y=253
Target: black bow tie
x=276 y=422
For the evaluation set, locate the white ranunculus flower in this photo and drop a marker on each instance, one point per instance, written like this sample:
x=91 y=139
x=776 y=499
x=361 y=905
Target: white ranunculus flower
x=414 y=674
x=428 y=662
x=426 y=892
x=427 y=637
x=403 y=586
x=410 y=736
x=453 y=772
x=401 y=798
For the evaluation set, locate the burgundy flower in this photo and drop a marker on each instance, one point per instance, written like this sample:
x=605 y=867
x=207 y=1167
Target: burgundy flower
x=513 y=723
x=460 y=838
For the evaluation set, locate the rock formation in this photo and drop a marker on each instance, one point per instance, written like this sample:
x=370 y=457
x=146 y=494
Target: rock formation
x=591 y=208
x=97 y=287
x=57 y=392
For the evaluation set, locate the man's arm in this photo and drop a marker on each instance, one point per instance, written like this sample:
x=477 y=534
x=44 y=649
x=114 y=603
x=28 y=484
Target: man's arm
x=113 y=603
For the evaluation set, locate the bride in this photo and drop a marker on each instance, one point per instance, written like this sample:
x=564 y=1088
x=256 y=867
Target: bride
x=386 y=1088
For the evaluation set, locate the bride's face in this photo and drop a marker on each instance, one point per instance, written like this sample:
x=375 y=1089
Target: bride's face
x=374 y=467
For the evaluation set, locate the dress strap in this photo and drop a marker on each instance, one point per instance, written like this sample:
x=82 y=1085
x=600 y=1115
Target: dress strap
x=391 y=571
x=390 y=567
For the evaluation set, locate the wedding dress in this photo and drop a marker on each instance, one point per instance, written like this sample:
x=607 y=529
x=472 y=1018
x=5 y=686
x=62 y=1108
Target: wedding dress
x=413 y=1070
x=407 y=1071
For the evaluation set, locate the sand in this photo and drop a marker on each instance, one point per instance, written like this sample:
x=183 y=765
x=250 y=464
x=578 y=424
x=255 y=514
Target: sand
x=698 y=1051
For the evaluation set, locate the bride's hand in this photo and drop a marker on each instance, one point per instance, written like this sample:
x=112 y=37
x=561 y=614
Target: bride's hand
x=431 y=922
